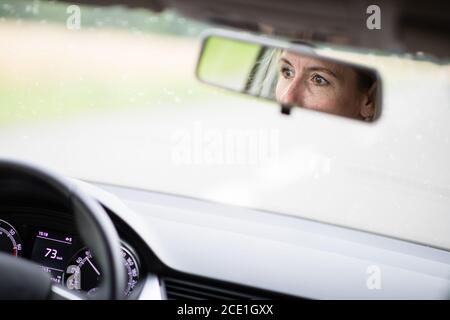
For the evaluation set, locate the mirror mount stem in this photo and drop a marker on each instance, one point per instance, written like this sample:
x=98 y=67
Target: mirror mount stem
x=285 y=109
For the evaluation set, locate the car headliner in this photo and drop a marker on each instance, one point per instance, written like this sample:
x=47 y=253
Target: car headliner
x=409 y=26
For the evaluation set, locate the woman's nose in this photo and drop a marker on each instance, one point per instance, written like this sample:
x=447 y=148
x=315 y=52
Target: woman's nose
x=292 y=95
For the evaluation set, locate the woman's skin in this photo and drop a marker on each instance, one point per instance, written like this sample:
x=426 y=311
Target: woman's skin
x=323 y=85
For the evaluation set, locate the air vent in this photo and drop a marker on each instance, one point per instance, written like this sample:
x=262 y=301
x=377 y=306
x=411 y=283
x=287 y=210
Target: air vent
x=185 y=290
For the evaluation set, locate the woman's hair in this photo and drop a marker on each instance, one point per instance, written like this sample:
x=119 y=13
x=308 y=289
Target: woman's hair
x=365 y=79
x=264 y=76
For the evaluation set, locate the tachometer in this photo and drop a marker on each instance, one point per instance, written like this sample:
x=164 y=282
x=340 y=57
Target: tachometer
x=10 y=241
x=84 y=274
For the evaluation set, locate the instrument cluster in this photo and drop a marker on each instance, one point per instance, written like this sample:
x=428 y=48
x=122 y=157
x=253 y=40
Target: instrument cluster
x=61 y=253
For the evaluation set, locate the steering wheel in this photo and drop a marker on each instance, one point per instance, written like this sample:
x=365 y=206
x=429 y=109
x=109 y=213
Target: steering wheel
x=23 y=279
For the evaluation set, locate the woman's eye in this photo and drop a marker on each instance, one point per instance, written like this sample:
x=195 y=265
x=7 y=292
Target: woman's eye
x=287 y=73
x=319 y=80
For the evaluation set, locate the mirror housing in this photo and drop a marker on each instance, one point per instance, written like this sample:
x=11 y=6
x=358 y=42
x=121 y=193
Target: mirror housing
x=293 y=74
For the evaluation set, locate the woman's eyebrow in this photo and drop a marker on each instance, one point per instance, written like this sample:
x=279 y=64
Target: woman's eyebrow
x=326 y=70
x=286 y=61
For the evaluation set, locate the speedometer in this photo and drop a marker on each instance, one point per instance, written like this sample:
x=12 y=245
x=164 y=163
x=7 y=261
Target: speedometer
x=84 y=274
x=10 y=241
x=132 y=269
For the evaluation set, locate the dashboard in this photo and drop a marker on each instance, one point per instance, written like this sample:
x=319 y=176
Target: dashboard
x=181 y=248
x=49 y=239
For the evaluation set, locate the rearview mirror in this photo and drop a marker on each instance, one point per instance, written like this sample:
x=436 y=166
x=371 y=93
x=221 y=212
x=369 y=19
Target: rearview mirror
x=292 y=74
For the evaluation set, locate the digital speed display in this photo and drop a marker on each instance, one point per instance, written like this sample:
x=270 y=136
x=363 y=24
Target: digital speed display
x=60 y=255
x=52 y=251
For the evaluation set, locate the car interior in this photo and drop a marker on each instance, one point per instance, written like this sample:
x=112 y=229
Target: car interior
x=75 y=237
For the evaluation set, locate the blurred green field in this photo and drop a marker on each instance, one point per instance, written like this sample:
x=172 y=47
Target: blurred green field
x=31 y=103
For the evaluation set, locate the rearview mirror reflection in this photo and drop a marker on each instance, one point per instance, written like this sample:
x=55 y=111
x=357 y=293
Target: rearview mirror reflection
x=290 y=76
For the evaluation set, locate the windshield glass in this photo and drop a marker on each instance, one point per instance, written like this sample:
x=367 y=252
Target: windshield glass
x=109 y=95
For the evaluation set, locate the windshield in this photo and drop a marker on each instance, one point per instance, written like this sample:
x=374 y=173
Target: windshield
x=109 y=95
